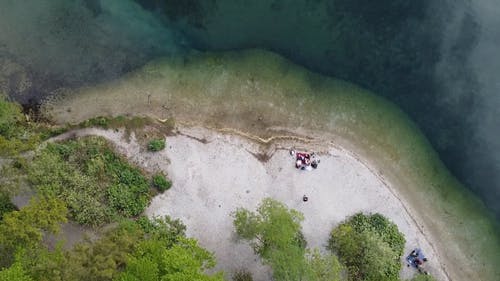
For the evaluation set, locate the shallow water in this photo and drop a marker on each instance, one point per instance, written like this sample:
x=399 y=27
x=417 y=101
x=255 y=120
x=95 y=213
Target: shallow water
x=261 y=93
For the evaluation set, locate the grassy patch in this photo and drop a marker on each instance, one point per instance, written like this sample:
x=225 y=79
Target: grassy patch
x=156 y=145
x=161 y=183
x=97 y=185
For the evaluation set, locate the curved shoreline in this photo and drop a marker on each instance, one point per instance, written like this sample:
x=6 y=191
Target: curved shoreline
x=130 y=150
x=257 y=93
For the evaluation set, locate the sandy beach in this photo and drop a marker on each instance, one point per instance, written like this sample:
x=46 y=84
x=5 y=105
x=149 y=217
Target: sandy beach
x=215 y=173
x=272 y=105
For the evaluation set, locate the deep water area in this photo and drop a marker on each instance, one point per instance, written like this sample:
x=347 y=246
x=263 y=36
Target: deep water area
x=437 y=60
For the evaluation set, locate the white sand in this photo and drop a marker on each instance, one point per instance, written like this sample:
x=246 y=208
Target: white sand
x=212 y=179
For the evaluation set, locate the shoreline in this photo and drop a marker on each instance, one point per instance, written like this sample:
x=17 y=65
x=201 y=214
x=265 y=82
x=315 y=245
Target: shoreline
x=161 y=204
x=258 y=93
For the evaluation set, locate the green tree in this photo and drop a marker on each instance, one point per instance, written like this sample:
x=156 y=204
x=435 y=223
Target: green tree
x=24 y=229
x=323 y=267
x=15 y=133
x=183 y=261
x=122 y=248
x=14 y=273
x=274 y=233
x=273 y=226
x=370 y=246
x=5 y=205
x=102 y=260
x=43 y=264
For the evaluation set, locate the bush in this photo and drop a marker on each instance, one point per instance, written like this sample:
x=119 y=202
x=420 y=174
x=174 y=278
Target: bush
x=370 y=246
x=96 y=184
x=125 y=200
x=161 y=183
x=99 y=121
x=16 y=135
x=156 y=145
x=6 y=205
x=10 y=116
x=242 y=275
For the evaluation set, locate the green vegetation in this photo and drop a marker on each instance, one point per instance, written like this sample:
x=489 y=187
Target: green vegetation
x=24 y=229
x=370 y=246
x=95 y=183
x=87 y=180
x=184 y=260
x=5 y=205
x=161 y=183
x=130 y=251
x=274 y=233
x=242 y=275
x=14 y=273
x=156 y=145
x=16 y=134
x=323 y=267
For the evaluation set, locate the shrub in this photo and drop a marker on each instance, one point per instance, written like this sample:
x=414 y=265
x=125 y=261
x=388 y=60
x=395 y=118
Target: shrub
x=125 y=200
x=16 y=135
x=6 y=205
x=161 y=183
x=370 y=246
x=156 y=145
x=10 y=116
x=99 y=121
x=97 y=184
x=242 y=275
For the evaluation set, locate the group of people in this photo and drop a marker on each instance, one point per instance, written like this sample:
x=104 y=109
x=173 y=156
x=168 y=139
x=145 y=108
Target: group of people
x=304 y=160
x=417 y=259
